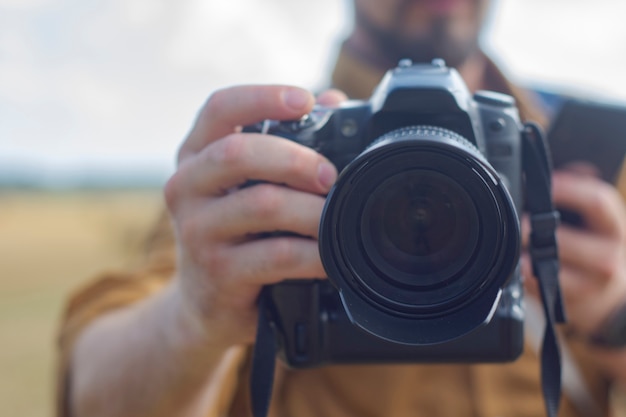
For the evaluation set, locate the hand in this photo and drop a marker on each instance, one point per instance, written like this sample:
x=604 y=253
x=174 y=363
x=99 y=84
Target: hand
x=593 y=259
x=221 y=265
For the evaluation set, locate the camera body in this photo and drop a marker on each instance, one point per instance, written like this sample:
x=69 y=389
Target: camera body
x=419 y=236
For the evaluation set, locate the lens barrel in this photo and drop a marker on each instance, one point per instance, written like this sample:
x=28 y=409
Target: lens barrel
x=419 y=226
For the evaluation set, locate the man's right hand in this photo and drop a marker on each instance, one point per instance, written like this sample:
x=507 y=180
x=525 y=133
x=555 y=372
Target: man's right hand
x=162 y=355
x=221 y=264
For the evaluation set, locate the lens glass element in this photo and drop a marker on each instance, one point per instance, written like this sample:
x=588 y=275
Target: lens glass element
x=422 y=224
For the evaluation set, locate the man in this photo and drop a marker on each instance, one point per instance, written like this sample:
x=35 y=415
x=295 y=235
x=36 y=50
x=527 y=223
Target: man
x=173 y=338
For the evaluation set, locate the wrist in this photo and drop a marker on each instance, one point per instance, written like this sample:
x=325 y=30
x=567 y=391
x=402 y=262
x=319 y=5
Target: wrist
x=187 y=330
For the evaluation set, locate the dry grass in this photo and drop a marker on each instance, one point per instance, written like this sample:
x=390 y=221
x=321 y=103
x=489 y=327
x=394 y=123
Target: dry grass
x=49 y=243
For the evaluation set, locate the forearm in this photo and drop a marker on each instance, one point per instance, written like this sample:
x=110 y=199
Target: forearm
x=149 y=359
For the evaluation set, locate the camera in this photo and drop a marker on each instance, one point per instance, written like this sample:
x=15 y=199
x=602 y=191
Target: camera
x=419 y=236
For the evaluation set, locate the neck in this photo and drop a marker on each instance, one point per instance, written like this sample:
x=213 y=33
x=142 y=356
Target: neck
x=365 y=49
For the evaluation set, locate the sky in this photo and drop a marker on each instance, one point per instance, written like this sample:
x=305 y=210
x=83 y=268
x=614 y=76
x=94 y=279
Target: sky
x=105 y=91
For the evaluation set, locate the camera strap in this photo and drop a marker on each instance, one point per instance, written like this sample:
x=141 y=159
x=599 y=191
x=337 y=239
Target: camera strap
x=544 y=219
x=543 y=250
x=263 y=359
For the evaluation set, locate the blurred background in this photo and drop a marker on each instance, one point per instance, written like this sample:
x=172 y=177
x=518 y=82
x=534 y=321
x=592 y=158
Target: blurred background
x=95 y=97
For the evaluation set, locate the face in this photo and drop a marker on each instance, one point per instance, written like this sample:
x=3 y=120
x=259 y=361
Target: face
x=423 y=29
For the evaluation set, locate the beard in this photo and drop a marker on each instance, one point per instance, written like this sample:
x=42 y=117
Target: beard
x=438 y=42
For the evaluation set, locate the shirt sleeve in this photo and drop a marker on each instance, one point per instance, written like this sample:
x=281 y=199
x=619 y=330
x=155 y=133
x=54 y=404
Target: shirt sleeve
x=105 y=293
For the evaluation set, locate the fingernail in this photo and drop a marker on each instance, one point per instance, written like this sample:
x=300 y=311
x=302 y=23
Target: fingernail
x=326 y=174
x=296 y=98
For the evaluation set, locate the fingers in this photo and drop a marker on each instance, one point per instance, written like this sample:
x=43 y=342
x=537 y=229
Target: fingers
x=264 y=261
x=224 y=281
x=578 y=291
x=574 y=284
x=331 y=98
x=240 y=157
x=261 y=208
x=598 y=202
x=582 y=168
x=591 y=254
x=230 y=108
x=243 y=157
x=276 y=259
x=588 y=302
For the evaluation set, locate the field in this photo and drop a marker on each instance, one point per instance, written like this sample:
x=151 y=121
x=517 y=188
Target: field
x=49 y=243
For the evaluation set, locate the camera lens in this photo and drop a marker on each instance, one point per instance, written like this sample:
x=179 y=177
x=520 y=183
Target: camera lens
x=419 y=227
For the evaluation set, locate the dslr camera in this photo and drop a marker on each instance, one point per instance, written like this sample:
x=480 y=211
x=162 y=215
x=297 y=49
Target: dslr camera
x=420 y=235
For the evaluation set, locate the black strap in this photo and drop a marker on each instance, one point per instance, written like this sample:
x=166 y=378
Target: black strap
x=263 y=359
x=544 y=254
x=543 y=249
